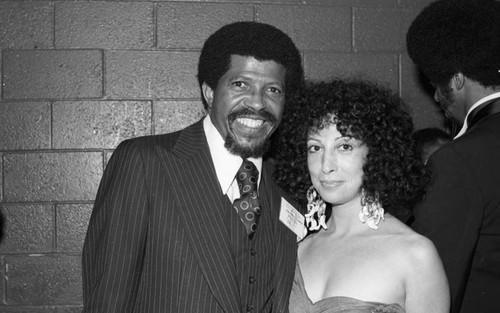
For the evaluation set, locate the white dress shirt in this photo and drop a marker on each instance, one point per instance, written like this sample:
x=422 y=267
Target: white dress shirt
x=226 y=164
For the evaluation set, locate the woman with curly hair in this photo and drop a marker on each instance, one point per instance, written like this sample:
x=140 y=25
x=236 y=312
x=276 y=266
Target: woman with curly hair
x=347 y=147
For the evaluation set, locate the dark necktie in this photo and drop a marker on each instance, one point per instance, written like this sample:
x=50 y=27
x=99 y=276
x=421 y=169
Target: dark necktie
x=247 y=205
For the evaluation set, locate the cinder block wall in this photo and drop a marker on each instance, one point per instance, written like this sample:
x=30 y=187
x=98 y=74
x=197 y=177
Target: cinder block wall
x=78 y=77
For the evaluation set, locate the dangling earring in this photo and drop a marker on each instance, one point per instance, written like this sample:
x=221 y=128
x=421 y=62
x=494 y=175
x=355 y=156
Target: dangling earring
x=315 y=205
x=372 y=211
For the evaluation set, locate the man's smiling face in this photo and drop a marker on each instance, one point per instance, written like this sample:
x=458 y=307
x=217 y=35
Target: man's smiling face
x=247 y=104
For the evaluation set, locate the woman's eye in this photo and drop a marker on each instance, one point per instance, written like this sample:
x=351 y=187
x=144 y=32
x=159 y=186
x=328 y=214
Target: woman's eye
x=345 y=147
x=312 y=149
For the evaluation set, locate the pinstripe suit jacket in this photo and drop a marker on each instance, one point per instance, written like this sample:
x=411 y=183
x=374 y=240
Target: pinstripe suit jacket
x=155 y=243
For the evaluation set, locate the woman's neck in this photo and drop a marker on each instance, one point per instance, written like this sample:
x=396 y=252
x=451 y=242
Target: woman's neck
x=345 y=219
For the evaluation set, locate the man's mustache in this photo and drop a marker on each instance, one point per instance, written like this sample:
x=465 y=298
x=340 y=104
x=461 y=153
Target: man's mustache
x=247 y=112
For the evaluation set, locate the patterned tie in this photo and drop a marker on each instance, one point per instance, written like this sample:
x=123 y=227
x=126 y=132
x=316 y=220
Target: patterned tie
x=247 y=205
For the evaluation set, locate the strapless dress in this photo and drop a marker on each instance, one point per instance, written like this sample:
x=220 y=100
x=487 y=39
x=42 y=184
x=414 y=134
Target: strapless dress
x=301 y=303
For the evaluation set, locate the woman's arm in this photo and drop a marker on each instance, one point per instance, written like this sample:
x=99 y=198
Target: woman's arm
x=427 y=288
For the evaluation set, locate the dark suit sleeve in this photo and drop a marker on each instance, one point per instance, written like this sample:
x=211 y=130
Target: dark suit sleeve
x=451 y=217
x=114 y=245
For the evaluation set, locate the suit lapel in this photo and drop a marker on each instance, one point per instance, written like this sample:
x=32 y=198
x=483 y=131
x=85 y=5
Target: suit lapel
x=483 y=111
x=201 y=206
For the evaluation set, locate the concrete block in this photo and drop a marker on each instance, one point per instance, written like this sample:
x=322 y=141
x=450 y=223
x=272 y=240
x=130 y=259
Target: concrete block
x=43 y=279
x=54 y=176
x=171 y=116
x=99 y=124
x=381 y=29
x=28 y=228
x=54 y=74
x=372 y=3
x=2 y=279
x=188 y=25
x=24 y=125
x=151 y=74
x=1 y=184
x=106 y=25
x=415 y=4
x=333 y=35
x=69 y=309
x=257 y=1
x=382 y=68
x=42 y=309
x=72 y=223
x=26 y=25
x=107 y=156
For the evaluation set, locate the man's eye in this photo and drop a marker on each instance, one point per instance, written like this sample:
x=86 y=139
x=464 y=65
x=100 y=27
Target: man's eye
x=239 y=84
x=275 y=90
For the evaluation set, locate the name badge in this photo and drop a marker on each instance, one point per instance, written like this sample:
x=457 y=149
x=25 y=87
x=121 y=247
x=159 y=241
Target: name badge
x=292 y=219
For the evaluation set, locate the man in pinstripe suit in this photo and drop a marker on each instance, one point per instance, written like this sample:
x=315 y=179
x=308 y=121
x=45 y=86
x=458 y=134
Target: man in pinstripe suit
x=163 y=236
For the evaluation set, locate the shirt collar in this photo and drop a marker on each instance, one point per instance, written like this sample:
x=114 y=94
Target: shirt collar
x=226 y=164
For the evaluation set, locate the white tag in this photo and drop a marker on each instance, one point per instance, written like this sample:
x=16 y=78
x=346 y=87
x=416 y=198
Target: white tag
x=292 y=219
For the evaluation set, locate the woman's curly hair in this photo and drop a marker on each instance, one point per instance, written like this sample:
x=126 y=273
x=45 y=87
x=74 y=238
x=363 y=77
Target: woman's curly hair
x=364 y=111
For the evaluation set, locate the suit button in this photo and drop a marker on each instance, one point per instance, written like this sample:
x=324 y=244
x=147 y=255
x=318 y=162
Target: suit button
x=249 y=308
x=251 y=280
x=253 y=252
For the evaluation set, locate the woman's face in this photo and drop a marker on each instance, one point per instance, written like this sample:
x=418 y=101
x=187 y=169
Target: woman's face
x=336 y=165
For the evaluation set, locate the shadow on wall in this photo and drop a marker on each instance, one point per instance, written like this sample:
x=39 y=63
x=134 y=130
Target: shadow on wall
x=446 y=124
x=425 y=83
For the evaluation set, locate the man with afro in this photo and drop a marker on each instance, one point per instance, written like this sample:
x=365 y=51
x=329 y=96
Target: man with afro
x=456 y=45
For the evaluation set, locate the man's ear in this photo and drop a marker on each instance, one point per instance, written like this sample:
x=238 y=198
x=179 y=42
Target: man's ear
x=208 y=94
x=458 y=80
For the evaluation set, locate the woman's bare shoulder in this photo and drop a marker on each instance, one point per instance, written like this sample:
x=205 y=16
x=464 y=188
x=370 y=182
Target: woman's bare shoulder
x=417 y=248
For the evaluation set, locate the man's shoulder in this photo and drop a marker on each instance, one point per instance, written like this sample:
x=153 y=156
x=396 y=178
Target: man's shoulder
x=167 y=140
x=149 y=143
x=479 y=145
x=467 y=163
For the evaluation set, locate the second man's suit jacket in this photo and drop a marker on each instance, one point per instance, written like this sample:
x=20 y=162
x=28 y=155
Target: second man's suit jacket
x=461 y=215
x=155 y=242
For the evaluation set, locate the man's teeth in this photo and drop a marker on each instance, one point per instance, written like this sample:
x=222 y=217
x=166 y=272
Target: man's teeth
x=250 y=122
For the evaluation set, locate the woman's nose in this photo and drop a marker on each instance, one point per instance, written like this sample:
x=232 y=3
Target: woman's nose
x=329 y=163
